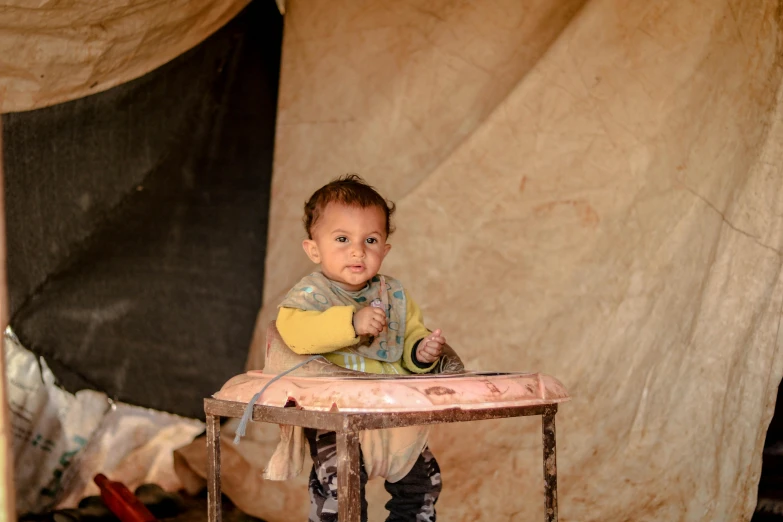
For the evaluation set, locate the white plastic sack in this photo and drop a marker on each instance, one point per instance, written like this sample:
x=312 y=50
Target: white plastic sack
x=134 y=446
x=50 y=426
x=61 y=440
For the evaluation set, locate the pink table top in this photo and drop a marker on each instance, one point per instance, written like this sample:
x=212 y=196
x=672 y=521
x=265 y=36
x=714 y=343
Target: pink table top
x=374 y=393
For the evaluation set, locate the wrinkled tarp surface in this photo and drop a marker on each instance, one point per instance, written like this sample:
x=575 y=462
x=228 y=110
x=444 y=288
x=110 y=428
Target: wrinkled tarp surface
x=588 y=189
x=59 y=51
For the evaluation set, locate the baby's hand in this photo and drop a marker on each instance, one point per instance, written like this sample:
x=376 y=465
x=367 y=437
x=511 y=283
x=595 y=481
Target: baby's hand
x=369 y=321
x=431 y=347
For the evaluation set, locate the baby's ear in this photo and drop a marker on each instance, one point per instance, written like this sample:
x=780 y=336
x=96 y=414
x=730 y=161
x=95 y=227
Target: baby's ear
x=311 y=249
x=386 y=249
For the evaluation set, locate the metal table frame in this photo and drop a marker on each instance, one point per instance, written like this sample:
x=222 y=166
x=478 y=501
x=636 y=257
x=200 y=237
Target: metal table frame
x=347 y=427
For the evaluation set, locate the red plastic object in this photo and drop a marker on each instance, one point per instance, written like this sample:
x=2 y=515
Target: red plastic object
x=122 y=502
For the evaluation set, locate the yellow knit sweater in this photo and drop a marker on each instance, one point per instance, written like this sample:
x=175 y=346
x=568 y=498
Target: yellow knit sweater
x=331 y=334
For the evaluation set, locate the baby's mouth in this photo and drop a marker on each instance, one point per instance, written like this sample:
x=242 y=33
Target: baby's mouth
x=356 y=268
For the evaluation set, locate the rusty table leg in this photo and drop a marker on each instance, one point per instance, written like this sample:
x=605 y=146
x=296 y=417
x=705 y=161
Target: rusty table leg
x=348 y=483
x=214 y=513
x=550 y=466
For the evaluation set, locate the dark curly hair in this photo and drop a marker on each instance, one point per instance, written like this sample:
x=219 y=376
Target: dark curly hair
x=349 y=190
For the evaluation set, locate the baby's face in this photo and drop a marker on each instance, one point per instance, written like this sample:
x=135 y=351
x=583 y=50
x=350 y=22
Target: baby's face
x=349 y=243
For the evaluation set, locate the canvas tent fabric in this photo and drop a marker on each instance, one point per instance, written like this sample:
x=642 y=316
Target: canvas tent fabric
x=60 y=51
x=588 y=189
x=591 y=189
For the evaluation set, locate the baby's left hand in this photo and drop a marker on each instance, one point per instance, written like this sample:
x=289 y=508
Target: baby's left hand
x=431 y=347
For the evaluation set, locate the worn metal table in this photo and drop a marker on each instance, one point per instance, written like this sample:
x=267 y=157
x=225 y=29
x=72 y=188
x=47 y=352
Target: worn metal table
x=347 y=425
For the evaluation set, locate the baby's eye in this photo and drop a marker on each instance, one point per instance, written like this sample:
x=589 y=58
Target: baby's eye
x=341 y=239
x=371 y=240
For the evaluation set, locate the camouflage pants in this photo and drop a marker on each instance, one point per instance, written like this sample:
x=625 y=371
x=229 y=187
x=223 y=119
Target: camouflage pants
x=413 y=497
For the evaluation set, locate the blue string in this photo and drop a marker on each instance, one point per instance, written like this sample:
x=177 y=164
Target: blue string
x=248 y=413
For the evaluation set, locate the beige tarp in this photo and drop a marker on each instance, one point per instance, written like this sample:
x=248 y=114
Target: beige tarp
x=54 y=51
x=591 y=189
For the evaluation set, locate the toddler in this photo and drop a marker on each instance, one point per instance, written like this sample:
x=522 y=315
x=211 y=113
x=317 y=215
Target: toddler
x=361 y=320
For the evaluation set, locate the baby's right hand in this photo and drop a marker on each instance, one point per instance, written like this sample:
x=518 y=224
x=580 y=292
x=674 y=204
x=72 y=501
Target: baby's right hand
x=369 y=321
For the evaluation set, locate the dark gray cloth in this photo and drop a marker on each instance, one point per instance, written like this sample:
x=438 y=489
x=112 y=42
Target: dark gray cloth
x=137 y=221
